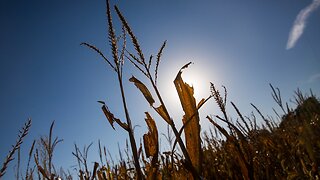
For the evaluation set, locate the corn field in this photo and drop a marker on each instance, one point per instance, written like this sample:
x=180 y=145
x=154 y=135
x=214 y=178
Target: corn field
x=285 y=149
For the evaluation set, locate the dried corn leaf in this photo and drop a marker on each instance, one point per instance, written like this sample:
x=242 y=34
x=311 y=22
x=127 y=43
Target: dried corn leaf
x=150 y=139
x=185 y=66
x=108 y=115
x=100 y=175
x=202 y=101
x=146 y=93
x=42 y=171
x=94 y=171
x=111 y=117
x=192 y=129
x=104 y=173
x=221 y=129
x=151 y=146
x=161 y=111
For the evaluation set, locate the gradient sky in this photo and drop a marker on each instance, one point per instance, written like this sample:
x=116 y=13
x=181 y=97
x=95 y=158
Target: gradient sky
x=46 y=75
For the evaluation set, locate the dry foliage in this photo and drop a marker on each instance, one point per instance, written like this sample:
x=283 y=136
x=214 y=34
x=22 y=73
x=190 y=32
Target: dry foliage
x=286 y=148
x=22 y=134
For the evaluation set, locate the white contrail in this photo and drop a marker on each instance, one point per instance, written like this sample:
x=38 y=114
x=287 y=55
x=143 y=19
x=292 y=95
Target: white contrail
x=300 y=23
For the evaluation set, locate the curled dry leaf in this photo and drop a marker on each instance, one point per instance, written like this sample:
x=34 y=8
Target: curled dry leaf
x=192 y=129
x=108 y=115
x=185 y=66
x=150 y=139
x=146 y=93
x=111 y=117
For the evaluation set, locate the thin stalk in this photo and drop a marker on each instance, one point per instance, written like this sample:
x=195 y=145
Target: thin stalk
x=149 y=76
x=130 y=130
x=21 y=136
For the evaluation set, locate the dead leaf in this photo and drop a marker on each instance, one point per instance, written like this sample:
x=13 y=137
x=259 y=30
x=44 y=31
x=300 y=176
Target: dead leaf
x=192 y=128
x=108 y=115
x=150 y=139
x=111 y=117
x=202 y=101
x=146 y=93
x=185 y=66
x=161 y=111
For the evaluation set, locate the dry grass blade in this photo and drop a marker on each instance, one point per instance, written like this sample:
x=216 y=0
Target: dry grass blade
x=158 y=60
x=151 y=145
x=134 y=57
x=77 y=155
x=150 y=139
x=136 y=65
x=185 y=66
x=239 y=133
x=161 y=111
x=221 y=129
x=264 y=119
x=241 y=117
x=18 y=164
x=29 y=159
x=200 y=104
x=277 y=97
x=100 y=152
x=246 y=168
x=107 y=113
x=40 y=169
x=100 y=53
x=192 y=129
x=111 y=117
x=94 y=171
x=43 y=172
x=49 y=145
x=21 y=136
x=144 y=90
x=83 y=158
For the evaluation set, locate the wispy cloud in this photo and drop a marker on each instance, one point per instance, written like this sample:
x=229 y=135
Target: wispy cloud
x=300 y=23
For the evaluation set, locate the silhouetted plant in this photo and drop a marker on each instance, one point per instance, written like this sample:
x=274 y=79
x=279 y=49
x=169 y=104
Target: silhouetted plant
x=117 y=66
x=22 y=134
x=46 y=147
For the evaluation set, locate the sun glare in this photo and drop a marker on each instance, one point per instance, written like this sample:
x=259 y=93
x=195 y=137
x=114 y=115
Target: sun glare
x=199 y=83
x=195 y=76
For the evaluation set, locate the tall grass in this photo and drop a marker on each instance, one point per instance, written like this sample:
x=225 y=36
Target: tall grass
x=22 y=134
x=285 y=149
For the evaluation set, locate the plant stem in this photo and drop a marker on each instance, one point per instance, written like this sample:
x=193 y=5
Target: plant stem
x=130 y=131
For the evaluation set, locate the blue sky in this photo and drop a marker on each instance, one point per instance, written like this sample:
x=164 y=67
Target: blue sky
x=46 y=75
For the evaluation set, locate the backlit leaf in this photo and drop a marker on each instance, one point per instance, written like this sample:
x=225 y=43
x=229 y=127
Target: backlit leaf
x=202 y=101
x=191 y=116
x=151 y=145
x=160 y=110
x=150 y=139
x=146 y=93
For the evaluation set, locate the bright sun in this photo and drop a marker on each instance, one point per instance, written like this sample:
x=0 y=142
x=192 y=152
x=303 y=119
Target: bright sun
x=198 y=81
x=196 y=77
